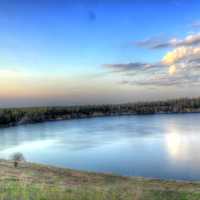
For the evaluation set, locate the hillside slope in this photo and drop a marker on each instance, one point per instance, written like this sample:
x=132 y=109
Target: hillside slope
x=39 y=182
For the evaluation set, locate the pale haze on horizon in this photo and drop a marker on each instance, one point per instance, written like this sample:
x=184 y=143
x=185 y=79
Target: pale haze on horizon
x=96 y=52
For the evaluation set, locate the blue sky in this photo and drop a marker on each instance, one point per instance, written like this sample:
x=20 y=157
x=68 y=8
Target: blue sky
x=87 y=52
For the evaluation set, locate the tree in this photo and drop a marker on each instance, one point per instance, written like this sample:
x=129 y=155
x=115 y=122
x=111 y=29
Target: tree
x=17 y=158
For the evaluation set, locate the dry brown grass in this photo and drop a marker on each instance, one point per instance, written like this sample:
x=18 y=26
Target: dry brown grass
x=65 y=182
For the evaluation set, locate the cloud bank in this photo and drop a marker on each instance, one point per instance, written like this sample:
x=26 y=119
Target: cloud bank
x=159 y=43
x=179 y=66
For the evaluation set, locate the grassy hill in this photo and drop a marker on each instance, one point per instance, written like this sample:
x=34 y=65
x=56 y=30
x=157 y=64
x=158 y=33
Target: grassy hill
x=38 y=182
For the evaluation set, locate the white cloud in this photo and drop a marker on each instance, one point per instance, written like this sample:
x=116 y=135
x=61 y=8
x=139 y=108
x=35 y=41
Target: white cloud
x=172 y=69
x=179 y=66
x=180 y=54
x=160 y=43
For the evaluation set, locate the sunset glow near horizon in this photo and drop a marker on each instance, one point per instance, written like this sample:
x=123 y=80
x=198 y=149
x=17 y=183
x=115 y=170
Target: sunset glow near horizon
x=96 y=52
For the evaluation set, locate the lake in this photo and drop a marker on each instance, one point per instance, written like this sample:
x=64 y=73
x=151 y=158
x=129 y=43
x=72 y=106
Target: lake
x=158 y=146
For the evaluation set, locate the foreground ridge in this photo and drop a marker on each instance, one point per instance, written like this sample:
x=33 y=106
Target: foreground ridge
x=34 y=181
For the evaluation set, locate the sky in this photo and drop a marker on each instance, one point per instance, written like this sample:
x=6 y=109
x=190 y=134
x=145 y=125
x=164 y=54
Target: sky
x=68 y=52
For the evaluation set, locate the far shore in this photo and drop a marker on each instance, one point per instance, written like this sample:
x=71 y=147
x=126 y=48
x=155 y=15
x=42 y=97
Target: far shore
x=95 y=116
x=18 y=116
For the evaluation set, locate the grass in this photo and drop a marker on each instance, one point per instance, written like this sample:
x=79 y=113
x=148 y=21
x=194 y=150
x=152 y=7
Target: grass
x=38 y=182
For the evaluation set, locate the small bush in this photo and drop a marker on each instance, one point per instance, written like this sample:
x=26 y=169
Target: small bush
x=17 y=158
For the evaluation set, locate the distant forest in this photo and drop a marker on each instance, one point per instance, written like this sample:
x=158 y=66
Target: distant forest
x=16 y=116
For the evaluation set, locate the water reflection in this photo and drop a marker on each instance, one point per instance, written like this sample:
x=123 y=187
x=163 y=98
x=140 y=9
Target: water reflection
x=161 y=146
x=183 y=145
x=173 y=142
x=27 y=147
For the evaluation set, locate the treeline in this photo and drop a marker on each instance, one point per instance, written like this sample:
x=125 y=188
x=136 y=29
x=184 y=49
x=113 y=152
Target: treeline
x=15 y=116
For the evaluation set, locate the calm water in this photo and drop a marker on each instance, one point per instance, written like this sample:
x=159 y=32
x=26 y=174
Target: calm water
x=160 y=146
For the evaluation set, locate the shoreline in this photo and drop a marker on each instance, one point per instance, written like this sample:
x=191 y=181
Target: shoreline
x=95 y=116
x=44 y=180
x=57 y=169
x=17 y=116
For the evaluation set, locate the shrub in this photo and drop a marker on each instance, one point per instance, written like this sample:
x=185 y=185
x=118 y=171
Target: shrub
x=17 y=158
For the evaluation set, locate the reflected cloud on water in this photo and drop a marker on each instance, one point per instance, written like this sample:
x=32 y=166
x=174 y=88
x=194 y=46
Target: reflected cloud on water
x=77 y=134
x=183 y=145
x=28 y=147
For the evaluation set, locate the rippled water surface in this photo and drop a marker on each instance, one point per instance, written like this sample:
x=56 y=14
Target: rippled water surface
x=160 y=146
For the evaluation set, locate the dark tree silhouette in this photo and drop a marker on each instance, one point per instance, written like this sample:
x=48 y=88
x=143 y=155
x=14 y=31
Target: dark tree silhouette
x=17 y=158
x=15 y=116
